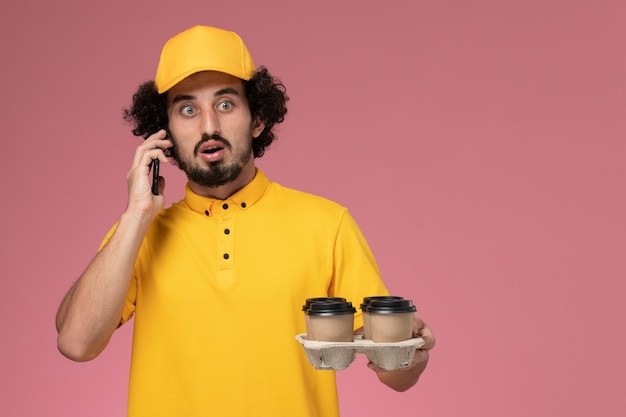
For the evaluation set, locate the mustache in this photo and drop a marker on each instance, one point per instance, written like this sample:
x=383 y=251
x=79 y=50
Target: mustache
x=206 y=137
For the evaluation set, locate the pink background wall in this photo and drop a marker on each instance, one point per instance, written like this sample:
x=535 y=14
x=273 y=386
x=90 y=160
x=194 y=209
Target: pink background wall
x=480 y=145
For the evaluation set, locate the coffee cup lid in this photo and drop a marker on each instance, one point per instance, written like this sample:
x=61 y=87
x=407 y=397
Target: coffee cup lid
x=309 y=301
x=391 y=306
x=330 y=308
x=367 y=300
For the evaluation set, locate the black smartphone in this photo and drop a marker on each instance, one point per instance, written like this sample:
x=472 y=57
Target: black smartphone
x=154 y=165
x=155 y=176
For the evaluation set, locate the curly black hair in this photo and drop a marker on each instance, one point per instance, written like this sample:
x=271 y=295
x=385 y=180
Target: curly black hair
x=266 y=97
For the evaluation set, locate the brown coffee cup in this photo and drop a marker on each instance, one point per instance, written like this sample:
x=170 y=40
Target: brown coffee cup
x=367 y=334
x=391 y=321
x=330 y=321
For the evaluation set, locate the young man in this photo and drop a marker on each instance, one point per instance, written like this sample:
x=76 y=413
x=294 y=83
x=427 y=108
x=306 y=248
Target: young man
x=216 y=281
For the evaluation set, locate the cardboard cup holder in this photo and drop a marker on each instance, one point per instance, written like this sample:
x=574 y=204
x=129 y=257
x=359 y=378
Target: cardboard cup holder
x=339 y=355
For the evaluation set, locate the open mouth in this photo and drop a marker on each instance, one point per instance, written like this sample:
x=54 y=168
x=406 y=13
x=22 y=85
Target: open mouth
x=212 y=150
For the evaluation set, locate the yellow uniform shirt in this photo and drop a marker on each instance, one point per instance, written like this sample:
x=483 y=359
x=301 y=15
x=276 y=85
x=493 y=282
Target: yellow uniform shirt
x=217 y=293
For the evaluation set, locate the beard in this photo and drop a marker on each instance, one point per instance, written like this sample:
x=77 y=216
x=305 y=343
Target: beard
x=213 y=174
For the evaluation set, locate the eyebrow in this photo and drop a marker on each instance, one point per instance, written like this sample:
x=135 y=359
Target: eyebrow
x=223 y=91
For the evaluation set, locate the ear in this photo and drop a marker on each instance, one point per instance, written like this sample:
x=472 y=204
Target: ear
x=257 y=127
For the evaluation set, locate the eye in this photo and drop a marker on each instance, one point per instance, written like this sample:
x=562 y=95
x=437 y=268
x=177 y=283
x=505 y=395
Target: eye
x=225 y=105
x=188 y=110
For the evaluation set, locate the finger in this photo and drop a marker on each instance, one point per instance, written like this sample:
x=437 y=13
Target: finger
x=159 y=134
x=142 y=162
x=159 y=140
x=418 y=324
x=420 y=357
x=375 y=367
x=429 y=339
x=420 y=329
x=152 y=148
x=161 y=185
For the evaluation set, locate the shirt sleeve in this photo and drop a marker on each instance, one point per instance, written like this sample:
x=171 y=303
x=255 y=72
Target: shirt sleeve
x=356 y=274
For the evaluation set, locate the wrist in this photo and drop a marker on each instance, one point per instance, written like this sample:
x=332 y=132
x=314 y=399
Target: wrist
x=136 y=218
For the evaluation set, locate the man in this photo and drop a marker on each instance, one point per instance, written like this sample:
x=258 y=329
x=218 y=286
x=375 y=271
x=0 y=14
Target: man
x=216 y=281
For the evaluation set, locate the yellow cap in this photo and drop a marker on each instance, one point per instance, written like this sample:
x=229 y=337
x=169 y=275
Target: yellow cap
x=202 y=48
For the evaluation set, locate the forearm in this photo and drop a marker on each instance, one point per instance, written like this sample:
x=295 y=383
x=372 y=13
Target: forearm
x=91 y=310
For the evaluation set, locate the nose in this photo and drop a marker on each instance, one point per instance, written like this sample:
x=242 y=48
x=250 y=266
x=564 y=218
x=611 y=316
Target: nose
x=210 y=122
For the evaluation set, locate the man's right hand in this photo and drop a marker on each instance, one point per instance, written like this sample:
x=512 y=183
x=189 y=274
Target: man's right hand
x=141 y=201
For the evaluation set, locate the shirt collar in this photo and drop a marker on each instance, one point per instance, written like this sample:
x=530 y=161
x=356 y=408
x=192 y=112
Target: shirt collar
x=243 y=199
